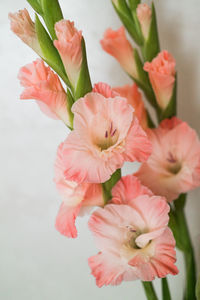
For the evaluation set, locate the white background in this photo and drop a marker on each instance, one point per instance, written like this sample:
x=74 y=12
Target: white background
x=36 y=262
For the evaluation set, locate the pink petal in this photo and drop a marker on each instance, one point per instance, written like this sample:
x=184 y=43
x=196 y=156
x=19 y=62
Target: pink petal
x=138 y=146
x=128 y=188
x=65 y=220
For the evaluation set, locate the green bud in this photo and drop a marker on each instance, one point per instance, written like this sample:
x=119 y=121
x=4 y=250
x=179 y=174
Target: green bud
x=83 y=85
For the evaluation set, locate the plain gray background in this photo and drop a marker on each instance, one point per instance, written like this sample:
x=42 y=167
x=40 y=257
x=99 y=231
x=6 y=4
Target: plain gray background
x=36 y=262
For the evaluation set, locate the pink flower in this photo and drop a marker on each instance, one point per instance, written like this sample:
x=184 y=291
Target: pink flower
x=174 y=166
x=105 y=135
x=42 y=84
x=162 y=76
x=75 y=198
x=144 y=16
x=116 y=44
x=69 y=48
x=134 y=98
x=22 y=25
x=133 y=237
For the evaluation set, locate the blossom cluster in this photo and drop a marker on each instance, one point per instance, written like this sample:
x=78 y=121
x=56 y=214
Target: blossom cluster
x=110 y=126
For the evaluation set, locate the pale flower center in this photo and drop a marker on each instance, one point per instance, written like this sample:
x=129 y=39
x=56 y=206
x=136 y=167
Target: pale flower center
x=132 y=234
x=174 y=165
x=130 y=248
x=109 y=137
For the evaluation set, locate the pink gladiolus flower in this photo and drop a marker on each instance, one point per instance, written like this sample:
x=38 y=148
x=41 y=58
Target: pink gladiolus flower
x=144 y=16
x=105 y=135
x=133 y=237
x=116 y=44
x=174 y=166
x=75 y=198
x=42 y=84
x=69 y=47
x=134 y=98
x=22 y=25
x=162 y=76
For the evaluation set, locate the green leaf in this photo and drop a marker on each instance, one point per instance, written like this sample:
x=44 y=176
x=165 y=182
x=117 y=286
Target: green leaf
x=133 y=4
x=138 y=27
x=108 y=185
x=50 y=53
x=150 y=121
x=52 y=13
x=198 y=288
x=170 y=110
x=70 y=102
x=151 y=46
x=36 y=6
x=165 y=290
x=84 y=85
x=127 y=19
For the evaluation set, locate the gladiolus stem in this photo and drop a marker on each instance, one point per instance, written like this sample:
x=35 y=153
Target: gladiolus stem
x=149 y=290
x=165 y=289
x=108 y=185
x=187 y=248
x=190 y=275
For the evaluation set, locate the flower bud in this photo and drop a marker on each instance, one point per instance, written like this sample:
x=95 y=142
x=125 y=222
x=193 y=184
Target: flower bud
x=144 y=16
x=116 y=44
x=42 y=84
x=24 y=28
x=162 y=77
x=69 y=48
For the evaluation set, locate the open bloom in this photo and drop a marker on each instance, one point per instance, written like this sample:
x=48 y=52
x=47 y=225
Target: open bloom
x=69 y=48
x=133 y=237
x=75 y=198
x=144 y=16
x=105 y=135
x=174 y=165
x=22 y=25
x=162 y=76
x=134 y=98
x=116 y=44
x=42 y=84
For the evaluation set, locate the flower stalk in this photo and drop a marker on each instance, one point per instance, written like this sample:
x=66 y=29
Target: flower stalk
x=149 y=290
x=185 y=245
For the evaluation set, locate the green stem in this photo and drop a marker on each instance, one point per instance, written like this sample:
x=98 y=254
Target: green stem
x=108 y=185
x=165 y=289
x=190 y=275
x=186 y=247
x=149 y=290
